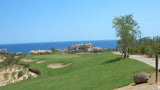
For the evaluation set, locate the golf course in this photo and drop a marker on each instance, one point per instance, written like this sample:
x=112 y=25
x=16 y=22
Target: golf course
x=104 y=71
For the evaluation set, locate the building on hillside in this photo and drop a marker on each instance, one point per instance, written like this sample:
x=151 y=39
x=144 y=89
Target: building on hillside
x=4 y=50
x=84 y=48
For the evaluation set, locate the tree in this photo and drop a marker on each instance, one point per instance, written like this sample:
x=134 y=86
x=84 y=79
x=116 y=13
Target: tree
x=69 y=48
x=127 y=29
x=53 y=49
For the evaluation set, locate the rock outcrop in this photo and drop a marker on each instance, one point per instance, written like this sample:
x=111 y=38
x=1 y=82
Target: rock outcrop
x=14 y=74
x=40 y=52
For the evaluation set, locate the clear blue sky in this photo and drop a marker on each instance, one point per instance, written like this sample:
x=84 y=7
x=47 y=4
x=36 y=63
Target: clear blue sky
x=23 y=21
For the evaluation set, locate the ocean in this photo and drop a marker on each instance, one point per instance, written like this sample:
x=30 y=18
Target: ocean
x=26 y=47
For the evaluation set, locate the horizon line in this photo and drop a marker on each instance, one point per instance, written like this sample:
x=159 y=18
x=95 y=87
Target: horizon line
x=53 y=41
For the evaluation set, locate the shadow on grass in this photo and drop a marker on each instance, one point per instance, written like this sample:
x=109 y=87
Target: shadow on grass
x=112 y=61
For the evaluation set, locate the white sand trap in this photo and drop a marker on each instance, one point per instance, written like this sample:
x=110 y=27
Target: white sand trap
x=42 y=61
x=1 y=60
x=28 y=60
x=58 y=65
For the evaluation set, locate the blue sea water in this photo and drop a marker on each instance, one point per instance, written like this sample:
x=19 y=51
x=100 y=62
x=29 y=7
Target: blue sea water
x=26 y=47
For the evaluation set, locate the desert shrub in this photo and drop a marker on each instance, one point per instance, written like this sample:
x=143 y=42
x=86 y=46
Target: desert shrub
x=71 y=52
x=108 y=50
x=150 y=52
x=11 y=58
x=25 y=65
x=30 y=76
x=69 y=48
x=6 y=75
x=20 y=74
x=53 y=50
x=13 y=74
x=19 y=67
x=145 y=45
x=100 y=51
x=35 y=71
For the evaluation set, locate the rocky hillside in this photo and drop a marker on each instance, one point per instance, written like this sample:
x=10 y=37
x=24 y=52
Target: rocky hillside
x=14 y=74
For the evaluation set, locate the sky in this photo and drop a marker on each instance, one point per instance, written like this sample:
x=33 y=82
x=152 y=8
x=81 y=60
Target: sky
x=28 y=21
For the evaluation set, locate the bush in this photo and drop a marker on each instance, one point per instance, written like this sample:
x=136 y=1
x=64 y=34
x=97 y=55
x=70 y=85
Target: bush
x=20 y=74
x=14 y=73
x=30 y=76
x=11 y=58
x=150 y=53
x=25 y=65
x=53 y=50
x=71 y=52
x=6 y=75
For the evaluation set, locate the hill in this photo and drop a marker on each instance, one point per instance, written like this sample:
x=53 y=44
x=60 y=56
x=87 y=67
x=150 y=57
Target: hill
x=87 y=72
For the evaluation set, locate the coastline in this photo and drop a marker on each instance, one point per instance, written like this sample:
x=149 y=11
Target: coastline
x=26 y=47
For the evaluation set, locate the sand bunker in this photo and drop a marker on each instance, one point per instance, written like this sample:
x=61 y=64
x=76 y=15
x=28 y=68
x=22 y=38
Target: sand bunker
x=58 y=65
x=28 y=60
x=42 y=61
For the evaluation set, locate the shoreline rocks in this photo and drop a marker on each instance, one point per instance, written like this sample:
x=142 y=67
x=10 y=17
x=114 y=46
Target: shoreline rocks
x=40 y=52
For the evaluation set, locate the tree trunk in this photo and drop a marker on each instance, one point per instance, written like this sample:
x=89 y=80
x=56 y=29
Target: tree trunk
x=125 y=54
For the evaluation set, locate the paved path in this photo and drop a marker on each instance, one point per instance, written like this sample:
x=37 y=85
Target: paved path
x=142 y=59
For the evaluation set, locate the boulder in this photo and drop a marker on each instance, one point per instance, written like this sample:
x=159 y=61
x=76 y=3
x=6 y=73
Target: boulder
x=142 y=77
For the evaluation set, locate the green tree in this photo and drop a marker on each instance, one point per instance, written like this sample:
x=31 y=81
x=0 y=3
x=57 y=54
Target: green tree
x=127 y=29
x=69 y=48
x=53 y=49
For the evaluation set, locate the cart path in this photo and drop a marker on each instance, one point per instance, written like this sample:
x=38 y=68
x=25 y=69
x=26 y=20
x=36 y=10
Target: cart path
x=148 y=61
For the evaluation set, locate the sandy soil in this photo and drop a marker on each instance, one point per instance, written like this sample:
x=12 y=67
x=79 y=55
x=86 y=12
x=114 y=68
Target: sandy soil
x=28 y=60
x=57 y=65
x=151 y=85
x=10 y=75
x=17 y=56
x=146 y=56
x=2 y=58
x=42 y=61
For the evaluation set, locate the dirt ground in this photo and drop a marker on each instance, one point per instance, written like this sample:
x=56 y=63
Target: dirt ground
x=151 y=85
x=2 y=58
x=58 y=65
x=10 y=74
x=146 y=56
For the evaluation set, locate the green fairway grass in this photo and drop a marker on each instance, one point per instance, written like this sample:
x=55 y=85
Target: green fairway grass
x=88 y=72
